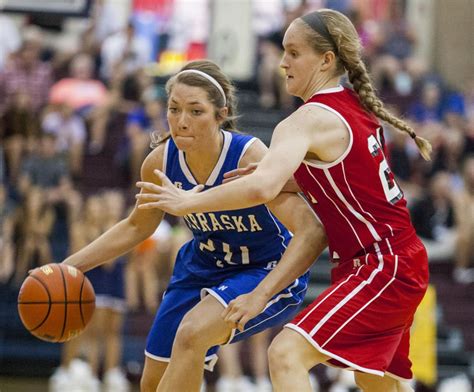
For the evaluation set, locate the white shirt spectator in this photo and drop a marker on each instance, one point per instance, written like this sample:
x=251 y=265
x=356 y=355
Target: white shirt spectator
x=133 y=53
x=69 y=130
x=11 y=39
x=189 y=24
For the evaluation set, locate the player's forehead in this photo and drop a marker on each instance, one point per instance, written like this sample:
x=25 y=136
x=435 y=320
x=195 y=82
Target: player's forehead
x=294 y=37
x=184 y=94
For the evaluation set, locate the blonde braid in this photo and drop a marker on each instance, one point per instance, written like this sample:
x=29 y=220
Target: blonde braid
x=344 y=41
x=359 y=77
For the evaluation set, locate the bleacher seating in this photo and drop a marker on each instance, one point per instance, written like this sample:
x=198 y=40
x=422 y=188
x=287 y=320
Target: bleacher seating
x=22 y=354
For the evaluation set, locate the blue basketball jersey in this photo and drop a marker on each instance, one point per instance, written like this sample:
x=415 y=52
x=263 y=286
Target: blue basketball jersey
x=227 y=241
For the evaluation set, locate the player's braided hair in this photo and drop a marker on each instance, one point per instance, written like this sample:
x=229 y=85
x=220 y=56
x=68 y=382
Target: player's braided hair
x=329 y=30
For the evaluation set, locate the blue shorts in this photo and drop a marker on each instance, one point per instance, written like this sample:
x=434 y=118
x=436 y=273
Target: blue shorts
x=177 y=301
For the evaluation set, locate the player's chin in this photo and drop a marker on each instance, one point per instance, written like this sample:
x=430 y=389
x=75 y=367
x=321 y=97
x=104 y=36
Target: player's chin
x=184 y=142
x=290 y=86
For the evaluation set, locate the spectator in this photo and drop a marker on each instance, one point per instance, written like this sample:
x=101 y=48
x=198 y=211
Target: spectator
x=7 y=224
x=87 y=96
x=450 y=154
x=25 y=73
x=44 y=184
x=80 y=91
x=20 y=129
x=141 y=122
x=70 y=132
x=464 y=207
x=142 y=278
x=433 y=219
x=469 y=106
x=125 y=50
x=399 y=37
x=11 y=39
x=271 y=79
x=429 y=106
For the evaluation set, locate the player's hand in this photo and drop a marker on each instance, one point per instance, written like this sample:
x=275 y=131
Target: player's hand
x=239 y=172
x=166 y=197
x=244 y=308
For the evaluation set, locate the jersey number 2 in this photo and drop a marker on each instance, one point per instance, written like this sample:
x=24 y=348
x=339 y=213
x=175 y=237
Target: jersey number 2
x=390 y=187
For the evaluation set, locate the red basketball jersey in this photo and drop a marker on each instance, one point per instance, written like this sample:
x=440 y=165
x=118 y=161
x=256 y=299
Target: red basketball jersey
x=355 y=197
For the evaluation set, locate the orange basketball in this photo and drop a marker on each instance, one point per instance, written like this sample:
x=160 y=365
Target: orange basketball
x=56 y=301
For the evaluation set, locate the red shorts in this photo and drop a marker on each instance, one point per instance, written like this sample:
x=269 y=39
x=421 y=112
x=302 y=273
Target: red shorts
x=362 y=321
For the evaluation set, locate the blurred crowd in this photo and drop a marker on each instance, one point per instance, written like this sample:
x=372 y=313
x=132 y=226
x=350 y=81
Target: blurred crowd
x=57 y=105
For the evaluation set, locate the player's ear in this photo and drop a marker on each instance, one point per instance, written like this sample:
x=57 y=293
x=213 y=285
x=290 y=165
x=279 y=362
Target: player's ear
x=328 y=59
x=222 y=113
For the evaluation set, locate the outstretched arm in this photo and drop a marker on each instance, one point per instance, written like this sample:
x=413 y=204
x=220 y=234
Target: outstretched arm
x=309 y=240
x=290 y=186
x=126 y=234
x=289 y=145
x=310 y=129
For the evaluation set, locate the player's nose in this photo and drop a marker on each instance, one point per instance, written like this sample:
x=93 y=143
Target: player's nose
x=182 y=121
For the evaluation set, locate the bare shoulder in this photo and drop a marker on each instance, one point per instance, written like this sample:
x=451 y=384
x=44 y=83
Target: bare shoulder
x=254 y=153
x=309 y=121
x=317 y=117
x=154 y=160
x=324 y=131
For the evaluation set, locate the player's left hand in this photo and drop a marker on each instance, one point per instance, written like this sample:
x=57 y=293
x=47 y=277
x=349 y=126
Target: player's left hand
x=166 y=197
x=244 y=308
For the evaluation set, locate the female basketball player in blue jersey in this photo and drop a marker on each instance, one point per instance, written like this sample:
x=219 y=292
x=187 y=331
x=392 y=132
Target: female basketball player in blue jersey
x=231 y=251
x=333 y=147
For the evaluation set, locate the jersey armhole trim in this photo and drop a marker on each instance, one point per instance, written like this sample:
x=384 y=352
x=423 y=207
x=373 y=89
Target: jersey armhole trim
x=327 y=165
x=244 y=150
x=165 y=157
x=220 y=162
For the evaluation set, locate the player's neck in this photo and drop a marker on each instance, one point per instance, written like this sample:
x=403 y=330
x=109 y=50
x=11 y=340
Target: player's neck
x=320 y=85
x=201 y=162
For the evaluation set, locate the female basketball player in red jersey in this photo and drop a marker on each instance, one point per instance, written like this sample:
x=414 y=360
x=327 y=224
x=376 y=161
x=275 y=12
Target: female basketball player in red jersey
x=333 y=145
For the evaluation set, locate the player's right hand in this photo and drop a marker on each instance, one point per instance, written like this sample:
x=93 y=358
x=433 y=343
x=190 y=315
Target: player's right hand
x=243 y=309
x=239 y=172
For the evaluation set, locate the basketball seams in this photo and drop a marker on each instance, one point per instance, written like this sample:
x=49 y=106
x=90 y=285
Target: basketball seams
x=80 y=300
x=48 y=317
x=49 y=303
x=65 y=302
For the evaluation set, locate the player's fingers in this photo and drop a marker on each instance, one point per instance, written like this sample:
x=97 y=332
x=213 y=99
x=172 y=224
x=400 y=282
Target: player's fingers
x=251 y=167
x=149 y=186
x=230 y=315
x=198 y=188
x=150 y=205
x=241 y=171
x=234 y=318
x=229 y=309
x=225 y=312
x=232 y=173
x=162 y=176
x=226 y=180
x=244 y=320
x=147 y=196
